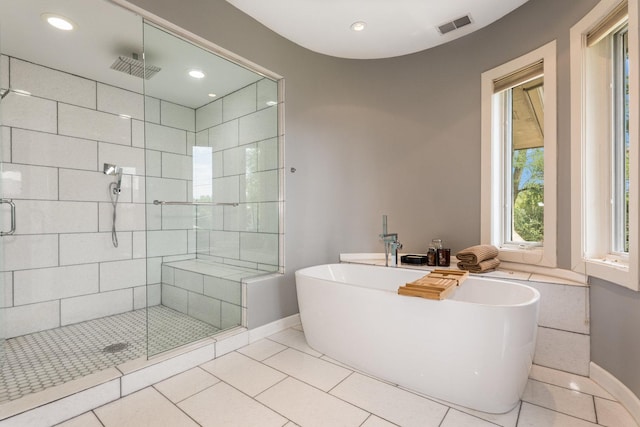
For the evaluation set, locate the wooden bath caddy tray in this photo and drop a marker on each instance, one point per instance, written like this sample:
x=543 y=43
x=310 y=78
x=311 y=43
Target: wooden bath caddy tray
x=436 y=285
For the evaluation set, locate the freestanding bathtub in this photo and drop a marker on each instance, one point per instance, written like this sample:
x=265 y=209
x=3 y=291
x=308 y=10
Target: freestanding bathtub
x=474 y=349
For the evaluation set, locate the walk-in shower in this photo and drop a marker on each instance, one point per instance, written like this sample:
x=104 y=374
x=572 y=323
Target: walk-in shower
x=96 y=273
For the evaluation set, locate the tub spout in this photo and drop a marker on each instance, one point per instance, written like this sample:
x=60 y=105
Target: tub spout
x=394 y=246
x=391 y=244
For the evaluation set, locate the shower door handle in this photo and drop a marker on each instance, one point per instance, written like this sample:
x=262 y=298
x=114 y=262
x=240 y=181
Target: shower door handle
x=13 y=217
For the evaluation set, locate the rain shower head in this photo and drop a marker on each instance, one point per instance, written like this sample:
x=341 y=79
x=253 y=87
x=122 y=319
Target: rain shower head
x=133 y=66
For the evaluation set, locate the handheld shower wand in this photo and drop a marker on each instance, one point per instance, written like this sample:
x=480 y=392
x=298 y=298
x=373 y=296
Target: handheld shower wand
x=110 y=169
x=114 y=194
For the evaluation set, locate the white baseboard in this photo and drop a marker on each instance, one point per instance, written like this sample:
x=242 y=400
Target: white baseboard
x=273 y=327
x=617 y=389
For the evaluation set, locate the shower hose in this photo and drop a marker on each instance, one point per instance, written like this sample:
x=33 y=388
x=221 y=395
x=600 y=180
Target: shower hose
x=114 y=193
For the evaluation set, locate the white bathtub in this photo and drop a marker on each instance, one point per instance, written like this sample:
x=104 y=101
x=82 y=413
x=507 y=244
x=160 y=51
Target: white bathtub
x=474 y=349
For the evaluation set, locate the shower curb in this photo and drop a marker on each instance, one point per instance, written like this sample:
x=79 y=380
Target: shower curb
x=61 y=403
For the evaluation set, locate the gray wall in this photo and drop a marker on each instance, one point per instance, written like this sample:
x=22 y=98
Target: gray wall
x=615 y=341
x=401 y=136
x=397 y=136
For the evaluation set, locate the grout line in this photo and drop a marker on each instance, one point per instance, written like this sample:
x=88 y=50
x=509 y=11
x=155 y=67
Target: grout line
x=519 y=413
x=191 y=395
x=561 y=387
x=174 y=405
x=563 y=371
x=444 y=417
x=557 y=412
x=96 y=415
x=340 y=382
x=573 y=390
x=595 y=409
x=588 y=334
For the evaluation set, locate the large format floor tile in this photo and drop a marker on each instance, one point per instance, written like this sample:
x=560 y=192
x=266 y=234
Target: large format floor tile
x=309 y=407
x=374 y=421
x=295 y=339
x=222 y=405
x=612 y=414
x=87 y=419
x=244 y=373
x=262 y=349
x=460 y=419
x=186 y=384
x=508 y=419
x=568 y=381
x=537 y=416
x=389 y=402
x=145 y=407
x=309 y=369
x=559 y=399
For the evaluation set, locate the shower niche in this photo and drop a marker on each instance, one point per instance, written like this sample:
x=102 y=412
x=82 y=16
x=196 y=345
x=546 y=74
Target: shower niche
x=145 y=172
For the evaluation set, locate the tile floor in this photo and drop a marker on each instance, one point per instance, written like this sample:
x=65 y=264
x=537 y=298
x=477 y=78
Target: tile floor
x=44 y=359
x=281 y=381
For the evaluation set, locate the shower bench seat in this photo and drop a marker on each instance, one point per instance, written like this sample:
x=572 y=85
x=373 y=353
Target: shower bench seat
x=206 y=290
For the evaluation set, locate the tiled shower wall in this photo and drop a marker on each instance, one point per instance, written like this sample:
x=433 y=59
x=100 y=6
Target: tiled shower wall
x=242 y=131
x=60 y=266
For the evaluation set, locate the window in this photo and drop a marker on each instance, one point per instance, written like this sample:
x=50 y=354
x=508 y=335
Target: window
x=604 y=129
x=202 y=174
x=620 y=141
x=524 y=162
x=518 y=158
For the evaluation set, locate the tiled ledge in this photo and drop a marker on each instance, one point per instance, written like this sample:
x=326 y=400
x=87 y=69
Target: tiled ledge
x=57 y=404
x=506 y=270
x=215 y=269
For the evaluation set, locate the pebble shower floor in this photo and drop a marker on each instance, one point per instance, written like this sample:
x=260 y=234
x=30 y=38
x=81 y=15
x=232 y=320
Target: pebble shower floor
x=45 y=359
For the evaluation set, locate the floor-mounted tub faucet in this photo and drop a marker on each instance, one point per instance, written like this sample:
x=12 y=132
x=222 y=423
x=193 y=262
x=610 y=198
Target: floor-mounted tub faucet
x=391 y=244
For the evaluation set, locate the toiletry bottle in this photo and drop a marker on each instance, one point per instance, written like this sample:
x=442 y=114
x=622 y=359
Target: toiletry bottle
x=431 y=256
x=444 y=257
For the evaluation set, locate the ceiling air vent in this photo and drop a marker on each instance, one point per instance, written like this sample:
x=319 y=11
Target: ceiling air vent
x=455 y=24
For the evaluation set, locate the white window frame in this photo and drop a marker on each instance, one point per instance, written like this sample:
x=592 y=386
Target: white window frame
x=618 y=160
x=591 y=176
x=493 y=177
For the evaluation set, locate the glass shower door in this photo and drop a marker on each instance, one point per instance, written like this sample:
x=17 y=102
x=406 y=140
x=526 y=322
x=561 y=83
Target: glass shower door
x=4 y=88
x=212 y=188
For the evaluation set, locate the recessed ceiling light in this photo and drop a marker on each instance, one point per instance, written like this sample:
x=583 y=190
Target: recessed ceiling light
x=358 y=25
x=196 y=74
x=272 y=103
x=212 y=95
x=58 y=21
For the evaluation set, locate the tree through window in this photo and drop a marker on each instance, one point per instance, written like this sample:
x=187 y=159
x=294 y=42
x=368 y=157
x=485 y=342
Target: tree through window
x=524 y=144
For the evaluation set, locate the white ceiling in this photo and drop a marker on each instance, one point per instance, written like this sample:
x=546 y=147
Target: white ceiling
x=394 y=27
x=104 y=32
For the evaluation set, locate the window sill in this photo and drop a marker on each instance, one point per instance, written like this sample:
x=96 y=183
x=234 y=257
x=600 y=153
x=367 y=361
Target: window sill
x=534 y=256
x=507 y=270
x=615 y=271
x=610 y=262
